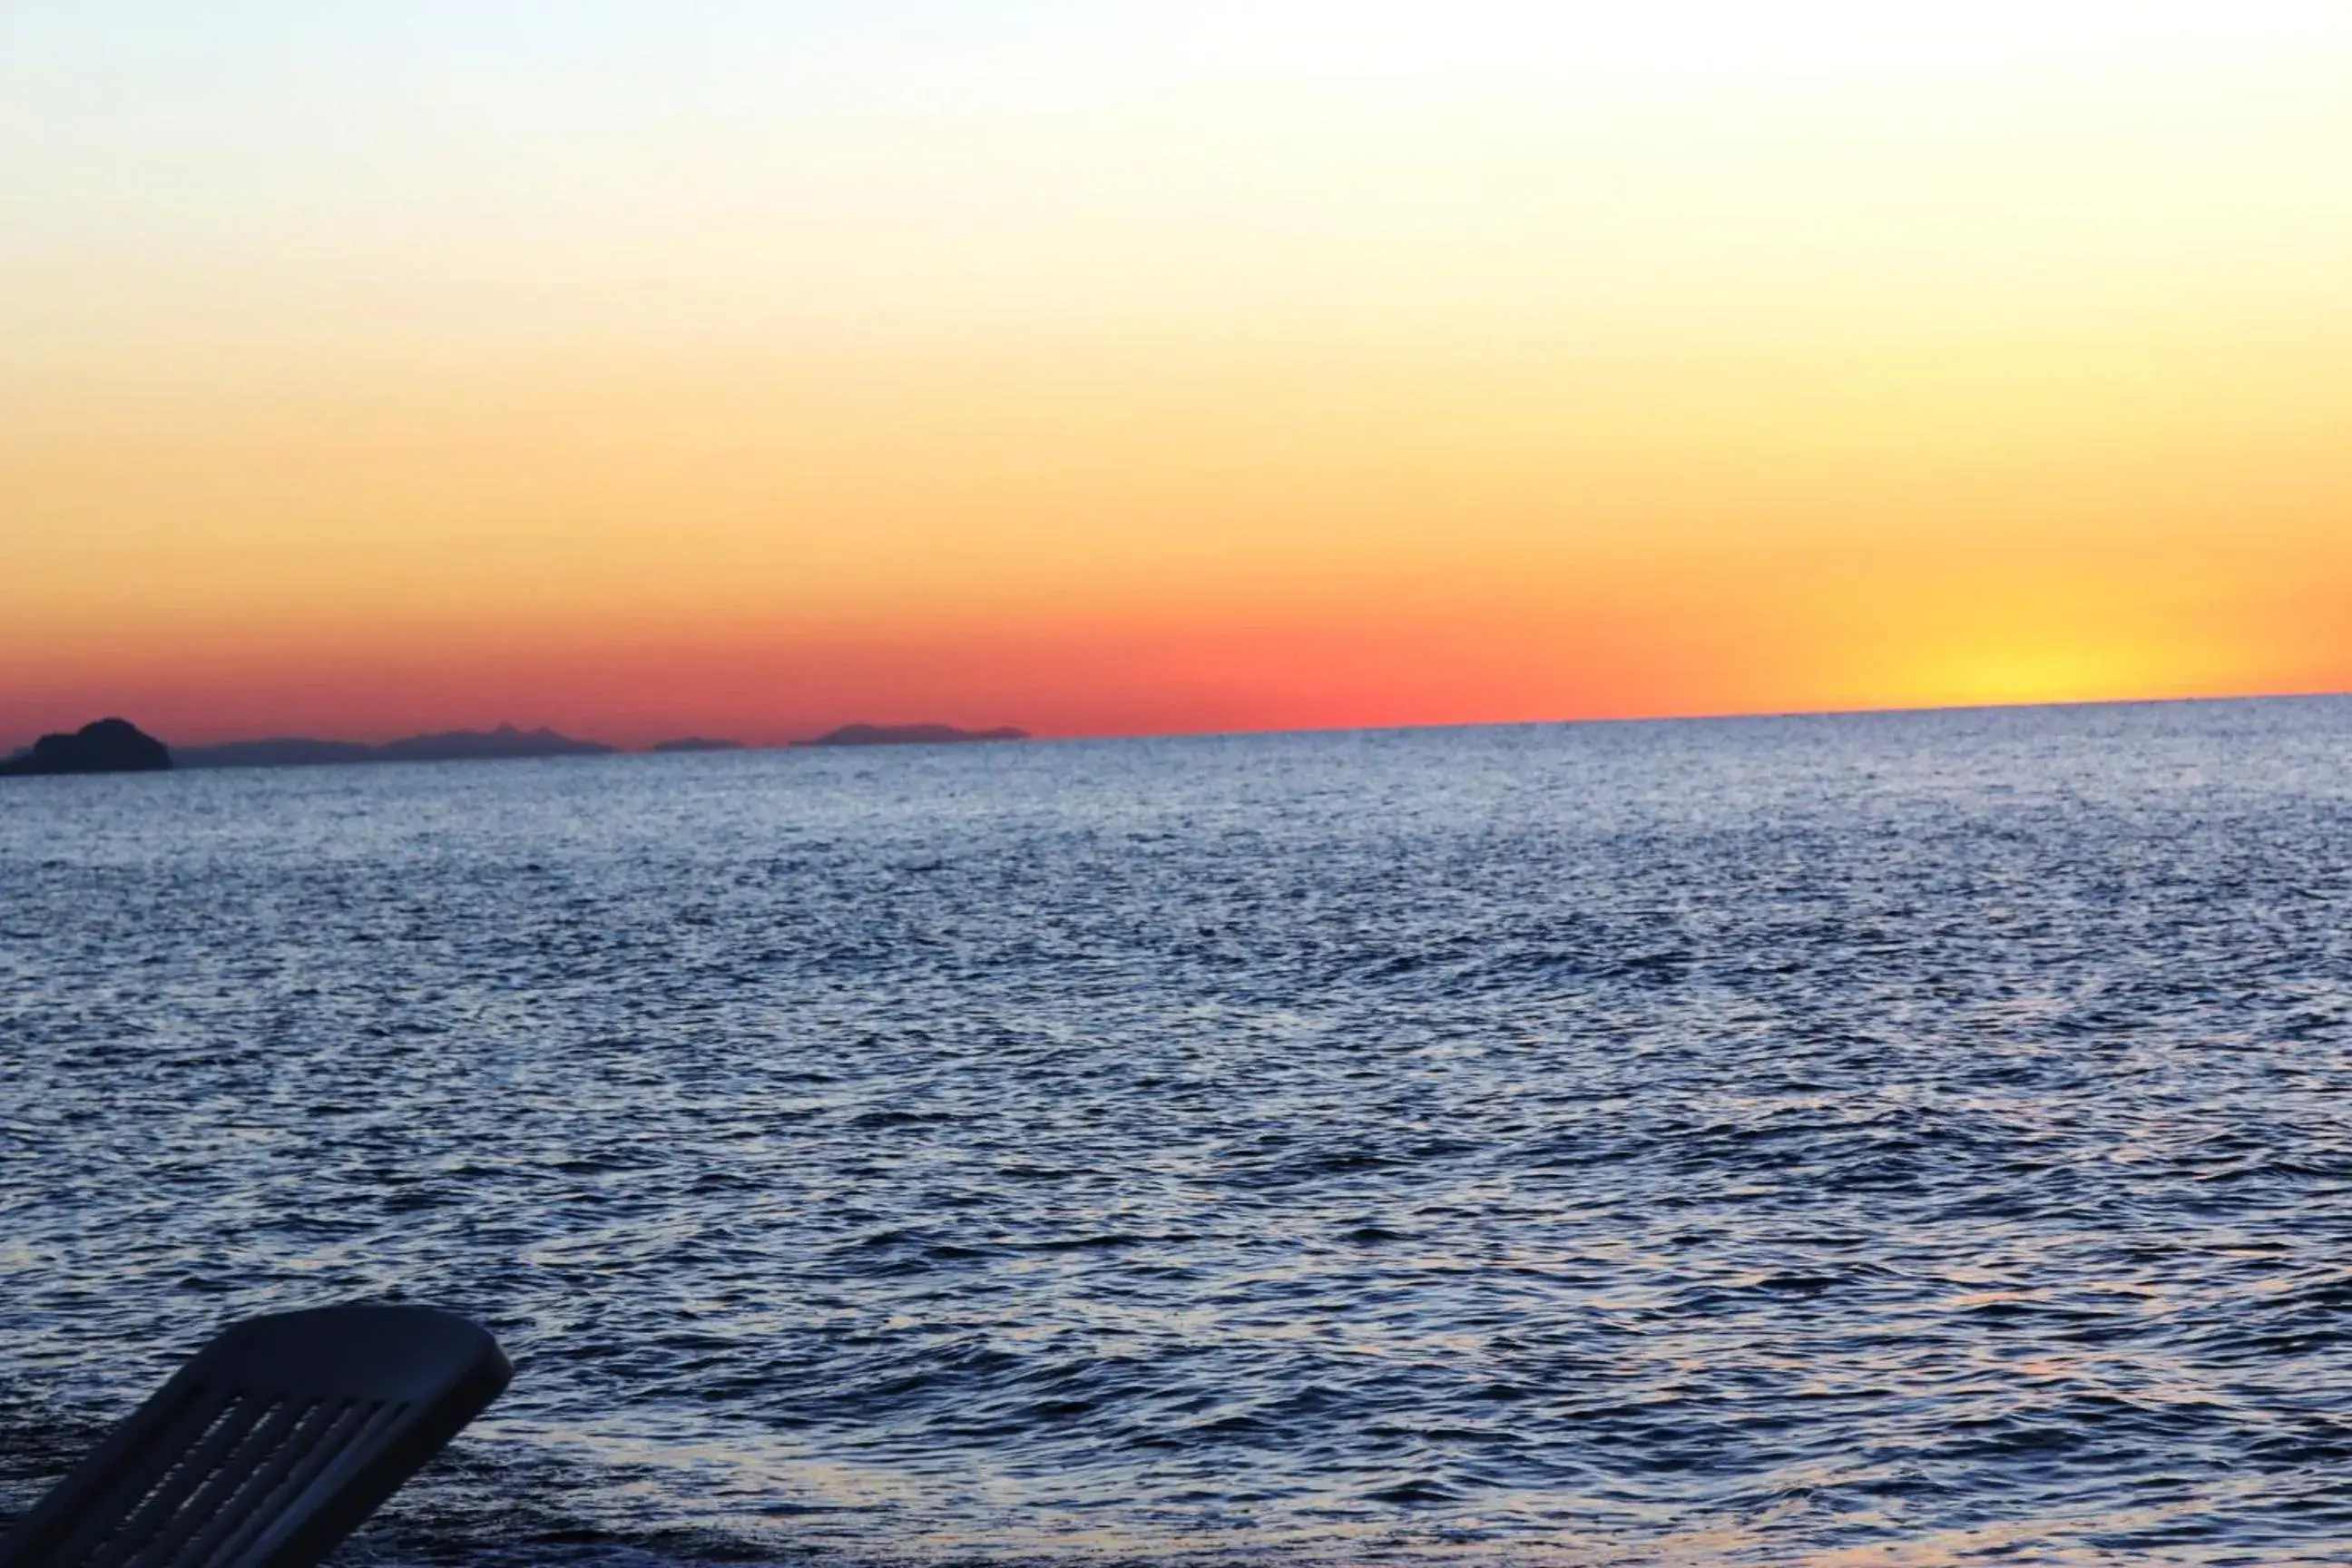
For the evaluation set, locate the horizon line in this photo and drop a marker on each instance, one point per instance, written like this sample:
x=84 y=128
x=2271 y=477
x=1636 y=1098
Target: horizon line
x=1722 y=716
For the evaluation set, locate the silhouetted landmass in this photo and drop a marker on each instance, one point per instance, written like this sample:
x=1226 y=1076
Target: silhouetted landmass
x=910 y=735
x=697 y=744
x=280 y=751
x=108 y=746
x=454 y=746
x=506 y=740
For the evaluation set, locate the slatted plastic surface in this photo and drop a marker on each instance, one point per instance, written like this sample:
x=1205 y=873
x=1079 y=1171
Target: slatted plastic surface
x=219 y=1469
x=273 y=1444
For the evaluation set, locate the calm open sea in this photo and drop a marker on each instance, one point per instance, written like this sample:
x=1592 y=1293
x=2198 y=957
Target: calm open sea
x=1889 y=1139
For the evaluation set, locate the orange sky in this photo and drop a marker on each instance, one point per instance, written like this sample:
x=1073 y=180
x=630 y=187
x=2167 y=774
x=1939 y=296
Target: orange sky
x=1280 y=366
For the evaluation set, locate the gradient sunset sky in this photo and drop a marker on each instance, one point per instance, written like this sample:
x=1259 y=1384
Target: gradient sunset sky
x=748 y=368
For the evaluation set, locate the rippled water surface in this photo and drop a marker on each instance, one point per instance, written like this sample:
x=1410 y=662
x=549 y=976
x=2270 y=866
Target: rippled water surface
x=1868 y=1139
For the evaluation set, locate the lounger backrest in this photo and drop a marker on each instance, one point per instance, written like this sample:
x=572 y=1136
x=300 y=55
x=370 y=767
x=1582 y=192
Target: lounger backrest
x=277 y=1441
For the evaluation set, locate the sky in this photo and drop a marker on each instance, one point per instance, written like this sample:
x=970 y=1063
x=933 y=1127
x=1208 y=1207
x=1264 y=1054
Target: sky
x=745 y=369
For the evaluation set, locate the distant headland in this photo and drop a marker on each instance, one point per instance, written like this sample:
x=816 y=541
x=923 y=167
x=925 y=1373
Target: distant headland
x=910 y=735
x=108 y=746
x=116 y=745
x=448 y=746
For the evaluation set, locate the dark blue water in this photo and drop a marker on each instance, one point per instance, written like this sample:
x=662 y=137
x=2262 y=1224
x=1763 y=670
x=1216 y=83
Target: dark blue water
x=1895 y=1138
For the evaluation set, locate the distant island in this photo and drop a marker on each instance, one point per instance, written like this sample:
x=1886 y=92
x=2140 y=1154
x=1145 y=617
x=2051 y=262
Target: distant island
x=116 y=745
x=449 y=746
x=108 y=746
x=910 y=735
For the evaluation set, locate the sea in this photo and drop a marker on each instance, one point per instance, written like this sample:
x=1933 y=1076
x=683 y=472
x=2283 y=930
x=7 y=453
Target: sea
x=1887 y=1139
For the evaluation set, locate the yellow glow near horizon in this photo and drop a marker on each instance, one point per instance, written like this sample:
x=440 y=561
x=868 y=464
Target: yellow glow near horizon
x=1065 y=365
